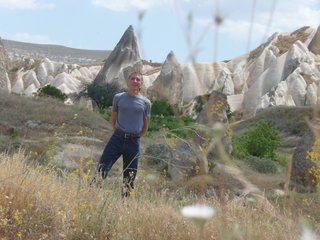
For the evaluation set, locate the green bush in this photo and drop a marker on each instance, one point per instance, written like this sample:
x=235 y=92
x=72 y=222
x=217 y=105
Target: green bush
x=262 y=140
x=14 y=132
x=170 y=123
x=153 y=127
x=239 y=151
x=30 y=124
x=106 y=115
x=283 y=159
x=101 y=95
x=201 y=100
x=162 y=116
x=161 y=107
x=262 y=165
x=52 y=92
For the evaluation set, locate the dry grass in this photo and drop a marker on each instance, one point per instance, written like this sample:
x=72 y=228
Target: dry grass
x=308 y=78
x=153 y=70
x=36 y=203
x=288 y=120
x=285 y=42
x=49 y=202
x=50 y=117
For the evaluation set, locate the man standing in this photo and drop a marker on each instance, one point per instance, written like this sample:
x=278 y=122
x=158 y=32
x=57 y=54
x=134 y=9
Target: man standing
x=130 y=120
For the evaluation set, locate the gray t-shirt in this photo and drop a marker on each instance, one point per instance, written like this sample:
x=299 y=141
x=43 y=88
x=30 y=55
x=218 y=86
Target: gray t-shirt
x=131 y=110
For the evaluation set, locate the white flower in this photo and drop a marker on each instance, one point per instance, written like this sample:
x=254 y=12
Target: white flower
x=308 y=234
x=198 y=211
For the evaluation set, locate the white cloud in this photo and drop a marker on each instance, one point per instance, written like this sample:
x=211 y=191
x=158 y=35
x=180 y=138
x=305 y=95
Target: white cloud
x=26 y=37
x=301 y=17
x=24 y=4
x=129 y=5
x=240 y=30
x=287 y=15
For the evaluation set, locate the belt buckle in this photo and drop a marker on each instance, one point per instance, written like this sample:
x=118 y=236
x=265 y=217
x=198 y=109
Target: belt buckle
x=126 y=135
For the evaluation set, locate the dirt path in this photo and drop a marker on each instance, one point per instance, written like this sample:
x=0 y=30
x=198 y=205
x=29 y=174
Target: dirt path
x=238 y=174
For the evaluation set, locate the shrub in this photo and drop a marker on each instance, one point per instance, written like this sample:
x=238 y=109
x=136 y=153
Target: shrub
x=106 y=115
x=161 y=107
x=262 y=165
x=52 y=92
x=283 y=159
x=162 y=117
x=14 y=132
x=153 y=127
x=101 y=95
x=261 y=141
x=31 y=124
x=201 y=100
x=239 y=151
x=170 y=123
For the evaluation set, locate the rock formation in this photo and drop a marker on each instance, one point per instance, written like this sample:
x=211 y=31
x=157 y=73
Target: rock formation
x=124 y=59
x=169 y=83
x=297 y=67
x=5 y=65
x=282 y=71
x=214 y=111
x=314 y=45
x=186 y=162
x=300 y=175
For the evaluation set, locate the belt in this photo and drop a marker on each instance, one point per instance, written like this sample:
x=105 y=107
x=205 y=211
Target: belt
x=126 y=135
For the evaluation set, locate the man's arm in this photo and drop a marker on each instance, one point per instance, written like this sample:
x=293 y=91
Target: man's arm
x=114 y=116
x=145 y=126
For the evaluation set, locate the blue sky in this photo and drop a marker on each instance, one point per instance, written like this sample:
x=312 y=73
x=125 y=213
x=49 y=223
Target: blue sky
x=181 y=26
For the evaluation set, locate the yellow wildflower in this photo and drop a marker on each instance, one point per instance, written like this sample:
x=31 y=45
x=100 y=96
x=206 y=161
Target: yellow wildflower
x=89 y=162
x=84 y=205
x=44 y=178
x=60 y=213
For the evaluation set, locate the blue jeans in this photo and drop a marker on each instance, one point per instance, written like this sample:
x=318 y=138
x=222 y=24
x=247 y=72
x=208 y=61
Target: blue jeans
x=129 y=148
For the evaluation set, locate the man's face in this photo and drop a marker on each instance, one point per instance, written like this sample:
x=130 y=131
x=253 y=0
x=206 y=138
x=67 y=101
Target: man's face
x=135 y=82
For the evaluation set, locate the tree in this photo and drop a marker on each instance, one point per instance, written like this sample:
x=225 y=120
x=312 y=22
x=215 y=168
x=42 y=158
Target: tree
x=261 y=141
x=161 y=107
x=52 y=92
x=101 y=95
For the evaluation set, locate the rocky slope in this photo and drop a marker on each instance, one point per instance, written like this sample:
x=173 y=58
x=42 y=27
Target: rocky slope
x=18 y=50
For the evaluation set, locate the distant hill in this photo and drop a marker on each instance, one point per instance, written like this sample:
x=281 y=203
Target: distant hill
x=57 y=53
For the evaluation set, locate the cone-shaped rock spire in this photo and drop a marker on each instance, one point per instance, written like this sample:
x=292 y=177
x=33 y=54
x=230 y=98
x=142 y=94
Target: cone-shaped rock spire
x=169 y=84
x=123 y=60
